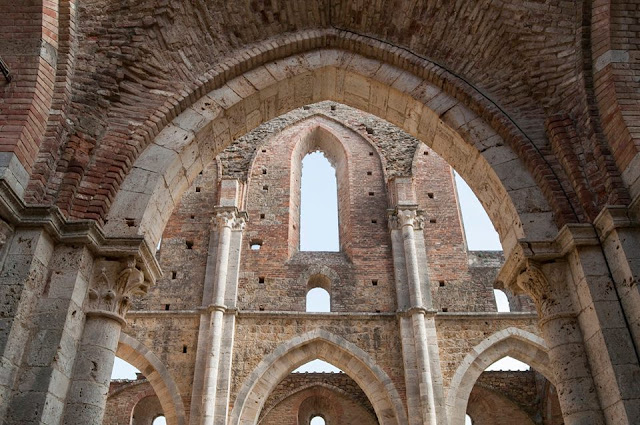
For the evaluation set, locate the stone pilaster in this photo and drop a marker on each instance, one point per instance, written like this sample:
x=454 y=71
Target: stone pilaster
x=106 y=305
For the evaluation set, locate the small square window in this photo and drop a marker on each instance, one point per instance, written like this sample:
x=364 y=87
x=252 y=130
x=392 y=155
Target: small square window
x=261 y=216
x=374 y=282
x=197 y=188
x=261 y=279
x=369 y=173
x=371 y=193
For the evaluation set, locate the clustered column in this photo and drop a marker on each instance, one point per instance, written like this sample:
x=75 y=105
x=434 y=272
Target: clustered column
x=407 y=220
x=226 y=221
x=107 y=302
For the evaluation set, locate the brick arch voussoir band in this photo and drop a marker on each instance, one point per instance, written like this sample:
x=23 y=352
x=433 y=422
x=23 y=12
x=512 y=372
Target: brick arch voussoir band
x=137 y=354
x=513 y=342
x=324 y=345
x=287 y=47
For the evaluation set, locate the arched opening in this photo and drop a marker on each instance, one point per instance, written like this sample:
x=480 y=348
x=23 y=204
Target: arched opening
x=160 y=420
x=317 y=366
x=123 y=370
x=317 y=420
x=318 y=205
x=468 y=420
x=318 y=301
x=479 y=231
x=502 y=302
x=494 y=374
x=375 y=384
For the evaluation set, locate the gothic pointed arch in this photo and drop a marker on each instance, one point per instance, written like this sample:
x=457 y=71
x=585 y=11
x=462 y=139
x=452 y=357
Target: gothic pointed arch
x=326 y=346
x=137 y=354
x=513 y=342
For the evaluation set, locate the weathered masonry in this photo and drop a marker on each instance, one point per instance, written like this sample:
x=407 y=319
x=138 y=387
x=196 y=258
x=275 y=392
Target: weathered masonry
x=128 y=126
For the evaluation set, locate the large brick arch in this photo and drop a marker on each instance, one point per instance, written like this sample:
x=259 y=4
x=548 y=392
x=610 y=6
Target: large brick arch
x=616 y=82
x=318 y=344
x=136 y=353
x=486 y=151
x=513 y=342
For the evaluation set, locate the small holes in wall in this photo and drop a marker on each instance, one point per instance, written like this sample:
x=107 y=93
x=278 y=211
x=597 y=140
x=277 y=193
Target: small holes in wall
x=265 y=187
x=264 y=171
x=261 y=307
x=433 y=220
x=369 y=173
x=369 y=130
x=262 y=216
x=426 y=152
x=255 y=244
x=130 y=222
x=370 y=153
x=377 y=311
x=374 y=282
x=371 y=193
x=441 y=283
x=430 y=195
x=184 y=349
x=264 y=150
x=333 y=107
x=174 y=275
x=192 y=217
x=189 y=244
x=374 y=221
x=197 y=188
x=445 y=309
x=261 y=279
x=166 y=307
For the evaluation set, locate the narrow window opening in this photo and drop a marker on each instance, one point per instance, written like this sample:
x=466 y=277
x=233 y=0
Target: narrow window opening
x=261 y=279
x=374 y=282
x=184 y=349
x=264 y=171
x=318 y=205
x=265 y=187
x=430 y=195
x=189 y=244
x=166 y=307
x=502 y=302
x=370 y=153
x=369 y=173
x=445 y=309
x=441 y=283
x=197 y=188
x=261 y=216
x=174 y=275
x=318 y=301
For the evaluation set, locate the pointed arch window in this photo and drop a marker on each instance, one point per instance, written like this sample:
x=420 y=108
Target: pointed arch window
x=319 y=228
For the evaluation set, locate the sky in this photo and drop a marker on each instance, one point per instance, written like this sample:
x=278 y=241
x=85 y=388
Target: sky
x=319 y=202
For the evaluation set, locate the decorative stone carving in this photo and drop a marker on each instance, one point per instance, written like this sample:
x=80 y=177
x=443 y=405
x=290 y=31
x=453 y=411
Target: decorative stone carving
x=233 y=219
x=113 y=296
x=543 y=287
x=406 y=217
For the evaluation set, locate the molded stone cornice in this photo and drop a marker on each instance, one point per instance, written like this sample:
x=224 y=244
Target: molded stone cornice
x=80 y=232
x=407 y=215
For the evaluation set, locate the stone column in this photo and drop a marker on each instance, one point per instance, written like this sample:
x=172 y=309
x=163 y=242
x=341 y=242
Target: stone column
x=106 y=305
x=406 y=220
x=226 y=219
x=547 y=285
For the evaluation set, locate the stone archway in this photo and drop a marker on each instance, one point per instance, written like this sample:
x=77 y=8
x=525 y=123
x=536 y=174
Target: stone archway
x=513 y=342
x=510 y=193
x=326 y=346
x=136 y=353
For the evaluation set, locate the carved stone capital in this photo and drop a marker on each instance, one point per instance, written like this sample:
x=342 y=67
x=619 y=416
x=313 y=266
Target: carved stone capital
x=231 y=218
x=111 y=291
x=546 y=287
x=406 y=217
